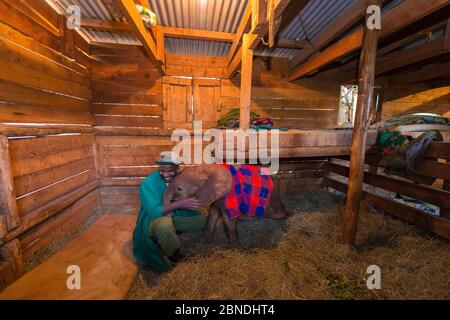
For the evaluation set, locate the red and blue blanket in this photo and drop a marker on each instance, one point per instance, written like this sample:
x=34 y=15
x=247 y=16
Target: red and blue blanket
x=250 y=193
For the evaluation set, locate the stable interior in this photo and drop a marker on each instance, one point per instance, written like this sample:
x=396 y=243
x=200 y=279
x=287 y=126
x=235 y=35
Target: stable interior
x=84 y=114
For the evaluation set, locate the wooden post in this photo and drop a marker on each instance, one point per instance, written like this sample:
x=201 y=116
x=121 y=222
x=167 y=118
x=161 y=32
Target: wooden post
x=246 y=80
x=358 y=147
x=8 y=204
x=12 y=253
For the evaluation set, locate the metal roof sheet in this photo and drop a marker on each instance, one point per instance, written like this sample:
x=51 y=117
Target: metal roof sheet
x=214 y=15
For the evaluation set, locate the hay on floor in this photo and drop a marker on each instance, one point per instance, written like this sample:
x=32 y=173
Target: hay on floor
x=302 y=258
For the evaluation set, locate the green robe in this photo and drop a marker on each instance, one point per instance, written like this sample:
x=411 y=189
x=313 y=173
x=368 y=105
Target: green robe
x=145 y=250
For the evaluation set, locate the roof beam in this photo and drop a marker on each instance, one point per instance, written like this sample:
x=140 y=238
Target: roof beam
x=105 y=25
x=402 y=58
x=292 y=44
x=244 y=26
x=344 y=21
x=399 y=17
x=128 y=9
x=258 y=28
x=198 y=34
x=424 y=74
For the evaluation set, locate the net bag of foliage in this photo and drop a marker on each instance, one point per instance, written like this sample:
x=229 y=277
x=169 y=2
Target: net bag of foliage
x=148 y=17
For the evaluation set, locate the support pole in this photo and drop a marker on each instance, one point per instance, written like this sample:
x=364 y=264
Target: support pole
x=246 y=80
x=8 y=205
x=362 y=118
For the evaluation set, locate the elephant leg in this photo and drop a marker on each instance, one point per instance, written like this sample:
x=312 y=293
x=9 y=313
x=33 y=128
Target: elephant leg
x=276 y=208
x=230 y=226
x=211 y=222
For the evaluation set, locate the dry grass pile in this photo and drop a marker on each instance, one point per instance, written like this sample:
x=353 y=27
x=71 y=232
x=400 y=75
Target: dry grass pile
x=302 y=258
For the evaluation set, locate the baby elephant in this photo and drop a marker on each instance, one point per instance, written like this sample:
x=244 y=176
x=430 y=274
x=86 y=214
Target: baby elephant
x=230 y=191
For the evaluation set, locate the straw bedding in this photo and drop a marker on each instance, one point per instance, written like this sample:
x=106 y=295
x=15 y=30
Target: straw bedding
x=302 y=258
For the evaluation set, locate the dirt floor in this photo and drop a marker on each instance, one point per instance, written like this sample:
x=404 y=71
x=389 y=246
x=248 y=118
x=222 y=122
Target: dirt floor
x=302 y=258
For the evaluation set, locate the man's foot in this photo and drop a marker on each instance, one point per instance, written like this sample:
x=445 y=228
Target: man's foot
x=176 y=257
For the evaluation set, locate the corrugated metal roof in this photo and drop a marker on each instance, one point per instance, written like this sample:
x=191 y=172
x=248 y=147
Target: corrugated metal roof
x=214 y=15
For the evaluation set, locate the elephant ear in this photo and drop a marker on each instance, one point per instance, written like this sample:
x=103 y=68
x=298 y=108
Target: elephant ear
x=217 y=186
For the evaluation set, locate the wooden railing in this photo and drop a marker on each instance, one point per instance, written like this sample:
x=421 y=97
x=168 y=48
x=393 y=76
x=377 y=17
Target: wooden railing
x=433 y=167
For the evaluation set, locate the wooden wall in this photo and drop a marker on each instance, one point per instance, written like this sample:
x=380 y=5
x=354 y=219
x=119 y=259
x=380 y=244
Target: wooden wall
x=305 y=104
x=127 y=91
x=413 y=98
x=51 y=185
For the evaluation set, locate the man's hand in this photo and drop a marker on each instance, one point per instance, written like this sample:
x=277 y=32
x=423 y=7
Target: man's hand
x=189 y=204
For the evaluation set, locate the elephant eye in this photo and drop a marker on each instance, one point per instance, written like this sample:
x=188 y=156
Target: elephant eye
x=180 y=188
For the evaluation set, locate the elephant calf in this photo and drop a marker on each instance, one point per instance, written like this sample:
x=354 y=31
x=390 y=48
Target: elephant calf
x=230 y=191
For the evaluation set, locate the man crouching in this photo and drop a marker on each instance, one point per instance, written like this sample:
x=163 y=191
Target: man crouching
x=155 y=240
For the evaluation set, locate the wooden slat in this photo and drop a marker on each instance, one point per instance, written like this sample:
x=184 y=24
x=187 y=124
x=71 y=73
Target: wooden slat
x=105 y=25
x=21 y=95
x=207 y=35
x=23 y=167
x=26 y=25
x=59 y=225
x=7 y=33
x=26 y=149
x=420 y=192
x=412 y=215
x=129 y=110
x=128 y=121
x=40 y=179
x=32 y=201
x=128 y=9
x=438 y=150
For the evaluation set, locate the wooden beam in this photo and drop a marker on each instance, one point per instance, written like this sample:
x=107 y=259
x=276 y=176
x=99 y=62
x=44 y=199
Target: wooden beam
x=128 y=9
x=447 y=35
x=292 y=44
x=244 y=26
x=246 y=23
x=112 y=9
x=198 y=34
x=349 y=17
x=408 y=40
x=105 y=25
x=236 y=63
x=8 y=204
x=437 y=225
x=109 y=45
x=399 y=17
x=361 y=125
x=246 y=81
x=424 y=74
x=12 y=253
x=159 y=33
x=402 y=58
x=259 y=15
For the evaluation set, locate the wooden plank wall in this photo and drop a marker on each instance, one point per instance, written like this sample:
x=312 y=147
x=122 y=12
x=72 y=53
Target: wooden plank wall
x=304 y=104
x=38 y=84
x=127 y=91
x=413 y=98
x=45 y=90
